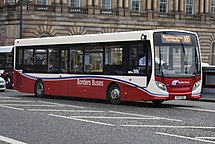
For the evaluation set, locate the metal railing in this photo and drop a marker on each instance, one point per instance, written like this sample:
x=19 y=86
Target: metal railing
x=50 y=8
x=111 y=12
x=212 y=18
x=79 y=10
x=139 y=14
x=167 y=15
x=192 y=17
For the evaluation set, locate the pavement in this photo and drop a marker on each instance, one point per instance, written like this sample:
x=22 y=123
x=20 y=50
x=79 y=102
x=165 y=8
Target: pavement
x=208 y=94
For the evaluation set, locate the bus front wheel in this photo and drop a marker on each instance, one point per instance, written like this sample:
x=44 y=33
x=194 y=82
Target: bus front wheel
x=114 y=94
x=39 y=89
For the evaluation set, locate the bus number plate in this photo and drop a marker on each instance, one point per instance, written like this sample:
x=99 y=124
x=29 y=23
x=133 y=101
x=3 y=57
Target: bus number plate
x=180 y=97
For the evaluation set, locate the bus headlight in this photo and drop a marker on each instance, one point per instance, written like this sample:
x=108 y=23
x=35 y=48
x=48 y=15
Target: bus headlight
x=161 y=85
x=196 y=85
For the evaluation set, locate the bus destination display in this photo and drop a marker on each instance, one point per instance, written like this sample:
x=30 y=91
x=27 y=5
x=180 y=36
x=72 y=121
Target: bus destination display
x=185 y=39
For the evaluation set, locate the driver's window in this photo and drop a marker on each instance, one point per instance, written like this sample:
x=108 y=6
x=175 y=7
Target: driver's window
x=137 y=58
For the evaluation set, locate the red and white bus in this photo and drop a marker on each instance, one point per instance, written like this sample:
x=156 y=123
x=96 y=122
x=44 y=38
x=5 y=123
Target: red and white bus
x=6 y=64
x=107 y=66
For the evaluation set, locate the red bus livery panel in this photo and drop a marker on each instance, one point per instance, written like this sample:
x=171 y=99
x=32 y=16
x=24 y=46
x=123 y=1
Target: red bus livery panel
x=84 y=87
x=154 y=65
x=181 y=87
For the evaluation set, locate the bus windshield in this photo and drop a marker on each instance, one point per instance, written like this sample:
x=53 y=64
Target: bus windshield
x=176 y=54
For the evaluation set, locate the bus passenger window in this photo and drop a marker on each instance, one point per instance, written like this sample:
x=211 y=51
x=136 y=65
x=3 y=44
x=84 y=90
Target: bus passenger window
x=9 y=60
x=114 y=59
x=40 y=57
x=28 y=56
x=19 y=57
x=76 y=60
x=113 y=55
x=93 y=59
x=2 y=61
x=53 y=60
x=64 y=60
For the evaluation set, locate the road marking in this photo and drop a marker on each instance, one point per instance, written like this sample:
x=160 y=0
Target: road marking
x=16 y=101
x=52 y=110
x=195 y=109
x=10 y=140
x=145 y=116
x=88 y=121
x=125 y=113
x=28 y=105
x=163 y=126
x=100 y=117
x=212 y=138
x=4 y=106
x=74 y=106
x=184 y=137
x=3 y=98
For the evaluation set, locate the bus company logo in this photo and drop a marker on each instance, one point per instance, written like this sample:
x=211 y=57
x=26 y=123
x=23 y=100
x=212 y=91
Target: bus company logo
x=175 y=82
x=92 y=82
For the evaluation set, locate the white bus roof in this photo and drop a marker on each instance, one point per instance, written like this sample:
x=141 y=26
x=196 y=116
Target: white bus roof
x=5 y=49
x=90 y=38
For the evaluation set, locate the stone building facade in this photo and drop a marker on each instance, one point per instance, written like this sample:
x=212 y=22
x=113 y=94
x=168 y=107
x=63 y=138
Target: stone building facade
x=42 y=18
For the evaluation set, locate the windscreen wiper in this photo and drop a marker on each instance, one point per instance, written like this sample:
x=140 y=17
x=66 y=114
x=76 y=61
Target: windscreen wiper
x=185 y=57
x=160 y=64
x=196 y=66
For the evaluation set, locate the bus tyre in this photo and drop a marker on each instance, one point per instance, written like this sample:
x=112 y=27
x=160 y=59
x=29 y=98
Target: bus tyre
x=8 y=83
x=39 y=89
x=114 y=94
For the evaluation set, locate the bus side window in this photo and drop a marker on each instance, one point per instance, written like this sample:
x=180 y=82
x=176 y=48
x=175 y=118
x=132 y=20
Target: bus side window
x=2 y=60
x=137 y=58
x=40 y=57
x=9 y=60
x=64 y=61
x=76 y=60
x=114 y=59
x=53 y=60
x=28 y=56
x=19 y=57
x=93 y=59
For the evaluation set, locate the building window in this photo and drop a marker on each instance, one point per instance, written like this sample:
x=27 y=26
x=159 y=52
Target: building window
x=135 y=5
x=164 y=6
x=213 y=54
x=106 y=4
x=189 y=7
x=41 y=2
x=75 y=3
x=213 y=8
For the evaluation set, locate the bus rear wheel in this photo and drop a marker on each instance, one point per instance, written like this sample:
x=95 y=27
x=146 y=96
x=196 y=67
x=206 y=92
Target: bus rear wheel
x=114 y=94
x=8 y=82
x=39 y=89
